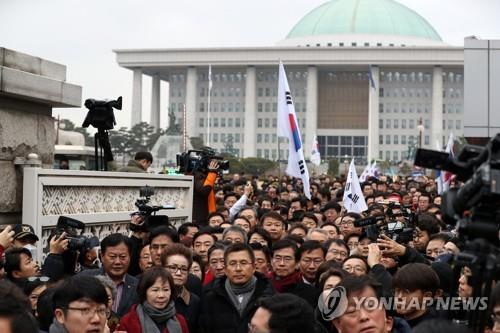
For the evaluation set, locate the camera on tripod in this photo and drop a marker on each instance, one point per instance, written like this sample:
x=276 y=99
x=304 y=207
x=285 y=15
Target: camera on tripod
x=198 y=160
x=398 y=223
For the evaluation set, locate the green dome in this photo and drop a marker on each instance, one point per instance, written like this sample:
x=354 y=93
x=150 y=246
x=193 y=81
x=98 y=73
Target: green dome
x=367 y=17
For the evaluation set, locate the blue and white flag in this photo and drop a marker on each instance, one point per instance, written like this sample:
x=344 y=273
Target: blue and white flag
x=288 y=127
x=354 y=200
x=315 y=155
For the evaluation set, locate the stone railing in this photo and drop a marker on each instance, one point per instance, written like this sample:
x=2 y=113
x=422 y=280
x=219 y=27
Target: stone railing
x=102 y=200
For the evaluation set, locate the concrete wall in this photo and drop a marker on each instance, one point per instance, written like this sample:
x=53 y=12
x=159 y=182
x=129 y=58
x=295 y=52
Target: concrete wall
x=29 y=88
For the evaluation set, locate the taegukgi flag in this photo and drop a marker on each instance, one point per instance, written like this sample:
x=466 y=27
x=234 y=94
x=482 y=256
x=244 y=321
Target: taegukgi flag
x=288 y=127
x=315 y=155
x=353 y=200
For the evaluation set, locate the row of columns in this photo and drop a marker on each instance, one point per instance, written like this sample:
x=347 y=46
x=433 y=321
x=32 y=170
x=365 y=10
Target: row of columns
x=373 y=111
x=249 y=145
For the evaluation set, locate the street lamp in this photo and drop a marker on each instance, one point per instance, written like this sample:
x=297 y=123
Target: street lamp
x=346 y=164
x=420 y=129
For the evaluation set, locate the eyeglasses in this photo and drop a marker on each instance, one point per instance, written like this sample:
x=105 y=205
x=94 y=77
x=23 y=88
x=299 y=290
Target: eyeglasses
x=338 y=253
x=242 y=264
x=174 y=269
x=38 y=278
x=351 y=269
x=89 y=312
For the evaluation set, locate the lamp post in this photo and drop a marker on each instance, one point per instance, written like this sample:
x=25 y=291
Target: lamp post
x=420 y=129
x=346 y=164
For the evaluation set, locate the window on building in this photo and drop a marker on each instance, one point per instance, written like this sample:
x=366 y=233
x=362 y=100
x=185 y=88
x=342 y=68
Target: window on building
x=237 y=122
x=260 y=92
x=387 y=139
x=202 y=122
x=259 y=107
x=268 y=92
x=215 y=137
x=229 y=107
x=387 y=123
x=412 y=124
x=275 y=107
x=222 y=122
x=268 y=107
x=202 y=92
x=274 y=122
x=202 y=107
x=230 y=122
x=396 y=123
x=427 y=140
x=396 y=140
x=259 y=123
x=237 y=138
x=223 y=137
x=403 y=139
x=458 y=124
x=403 y=123
x=381 y=123
x=215 y=122
x=266 y=123
x=266 y=138
x=427 y=123
x=237 y=107
x=395 y=156
x=381 y=107
x=259 y=138
x=259 y=153
x=380 y=139
x=381 y=92
x=222 y=107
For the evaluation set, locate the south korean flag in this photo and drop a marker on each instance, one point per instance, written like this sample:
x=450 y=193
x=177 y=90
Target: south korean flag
x=354 y=201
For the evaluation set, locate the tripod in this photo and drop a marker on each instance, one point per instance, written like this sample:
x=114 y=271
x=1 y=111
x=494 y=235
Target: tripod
x=102 y=147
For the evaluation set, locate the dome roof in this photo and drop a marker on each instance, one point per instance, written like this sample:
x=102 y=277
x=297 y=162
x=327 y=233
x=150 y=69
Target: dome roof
x=364 y=18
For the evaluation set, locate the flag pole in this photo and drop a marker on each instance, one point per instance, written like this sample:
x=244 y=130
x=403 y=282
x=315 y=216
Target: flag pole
x=208 y=102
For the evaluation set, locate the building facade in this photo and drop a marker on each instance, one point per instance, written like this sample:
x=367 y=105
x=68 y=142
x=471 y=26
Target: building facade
x=370 y=83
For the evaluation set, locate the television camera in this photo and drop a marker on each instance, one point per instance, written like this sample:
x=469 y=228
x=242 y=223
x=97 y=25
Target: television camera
x=198 y=160
x=474 y=211
x=398 y=223
x=148 y=212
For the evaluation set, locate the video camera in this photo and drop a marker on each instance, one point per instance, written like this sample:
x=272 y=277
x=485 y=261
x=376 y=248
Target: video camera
x=76 y=242
x=399 y=226
x=148 y=212
x=198 y=160
x=101 y=114
x=474 y=210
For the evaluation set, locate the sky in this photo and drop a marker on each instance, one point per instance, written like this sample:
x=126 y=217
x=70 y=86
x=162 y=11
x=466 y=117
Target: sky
x=81 y=34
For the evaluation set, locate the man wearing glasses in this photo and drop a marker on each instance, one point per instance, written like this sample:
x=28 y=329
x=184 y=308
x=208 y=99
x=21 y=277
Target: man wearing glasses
x=80 y=306
x=230 y=304
x=285 y=277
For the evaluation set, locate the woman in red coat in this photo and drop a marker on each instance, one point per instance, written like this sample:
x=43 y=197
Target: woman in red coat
x=156 y=311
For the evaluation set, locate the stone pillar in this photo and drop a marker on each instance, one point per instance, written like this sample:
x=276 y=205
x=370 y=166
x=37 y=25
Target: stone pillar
x=250 y=113
x=311 y=109
x=137 y=97
x=155 y=102
x=437 y=107
x=191 y=102
x=29 y=88
x=373 y=114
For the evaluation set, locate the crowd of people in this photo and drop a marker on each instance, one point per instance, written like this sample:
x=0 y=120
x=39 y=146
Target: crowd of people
x=264 y=259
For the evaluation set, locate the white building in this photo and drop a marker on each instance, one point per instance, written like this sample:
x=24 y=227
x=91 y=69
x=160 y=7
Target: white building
x=363 y=74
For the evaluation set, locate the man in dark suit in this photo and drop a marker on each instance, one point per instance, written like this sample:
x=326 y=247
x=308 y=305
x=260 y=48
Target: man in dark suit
x=115 y=257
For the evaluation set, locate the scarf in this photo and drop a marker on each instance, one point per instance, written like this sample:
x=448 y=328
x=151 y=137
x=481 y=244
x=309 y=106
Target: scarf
x=240 y=295
x=152 y=319
x=56 y=327
x=282 y=285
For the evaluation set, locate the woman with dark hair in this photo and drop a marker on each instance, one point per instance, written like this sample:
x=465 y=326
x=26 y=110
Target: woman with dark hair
x=259 y=235
x=198 y=267
x=156 y=311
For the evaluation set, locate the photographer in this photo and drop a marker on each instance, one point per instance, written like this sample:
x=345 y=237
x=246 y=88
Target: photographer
x=204 y=196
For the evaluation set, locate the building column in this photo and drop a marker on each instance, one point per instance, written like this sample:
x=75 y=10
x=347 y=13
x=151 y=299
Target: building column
x=311 y=109
x=191 y=103
x=250 y=113
x=437 y=107
x=136 y=97
x=155 y=103
x=373 y=114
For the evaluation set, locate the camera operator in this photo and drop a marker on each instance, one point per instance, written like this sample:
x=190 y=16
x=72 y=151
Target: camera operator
x=204 y=196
